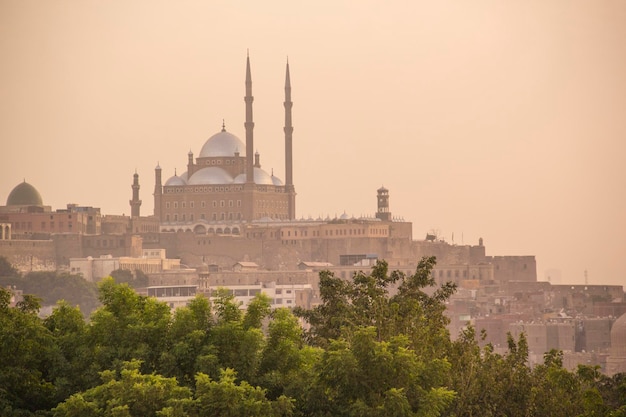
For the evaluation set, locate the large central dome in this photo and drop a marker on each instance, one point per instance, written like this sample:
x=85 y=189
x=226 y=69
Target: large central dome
x=222 y=144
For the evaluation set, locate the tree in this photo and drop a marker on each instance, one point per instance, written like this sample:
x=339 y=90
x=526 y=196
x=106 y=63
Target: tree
x=188 y=348
x=52 y=286
x=238 y=338
x=28 y=351
x=126 y=393
x=365 y=300
x=364 y=376
x=136 y=280
x=7 y=270
x=286 y=366
x=128 y=326
x=74 y=370
x=226 y=398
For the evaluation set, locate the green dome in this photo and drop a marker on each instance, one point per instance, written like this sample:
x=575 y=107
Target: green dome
x=24 y=195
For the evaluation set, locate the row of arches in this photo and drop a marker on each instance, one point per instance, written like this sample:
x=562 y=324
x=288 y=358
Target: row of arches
x=200 y=229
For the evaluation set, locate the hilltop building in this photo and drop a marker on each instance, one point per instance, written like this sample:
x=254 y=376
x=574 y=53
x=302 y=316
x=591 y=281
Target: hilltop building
x=225 y=184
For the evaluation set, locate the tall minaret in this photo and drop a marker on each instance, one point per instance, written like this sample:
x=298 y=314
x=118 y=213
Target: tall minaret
x=288 y=129
x=158 y=191
x=249 y=125
x=135 y=203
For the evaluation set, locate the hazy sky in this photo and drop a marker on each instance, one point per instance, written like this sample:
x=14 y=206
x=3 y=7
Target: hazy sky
x=497 y=119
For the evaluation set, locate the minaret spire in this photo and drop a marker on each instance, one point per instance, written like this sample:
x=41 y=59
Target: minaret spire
x=249 y=125
x=158 y=191
x=135 y=203
x=288 y=129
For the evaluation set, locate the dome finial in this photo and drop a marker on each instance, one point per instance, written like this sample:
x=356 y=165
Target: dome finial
x=223 y=126
x=175 y=174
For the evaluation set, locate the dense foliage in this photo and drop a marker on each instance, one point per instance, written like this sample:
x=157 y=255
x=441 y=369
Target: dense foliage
x=377 y=345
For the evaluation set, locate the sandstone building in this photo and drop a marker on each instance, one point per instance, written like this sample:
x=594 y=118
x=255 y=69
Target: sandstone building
x=226 y=185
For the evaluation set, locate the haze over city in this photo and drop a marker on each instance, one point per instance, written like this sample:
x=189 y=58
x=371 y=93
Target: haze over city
x=500 y=120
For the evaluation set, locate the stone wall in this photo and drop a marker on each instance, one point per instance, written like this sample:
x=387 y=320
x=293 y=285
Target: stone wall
x=30 y=255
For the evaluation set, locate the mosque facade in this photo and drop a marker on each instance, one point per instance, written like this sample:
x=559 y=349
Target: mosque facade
x=225 y=186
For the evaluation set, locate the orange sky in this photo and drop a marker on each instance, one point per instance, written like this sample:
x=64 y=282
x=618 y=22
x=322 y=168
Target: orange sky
x=497 y=119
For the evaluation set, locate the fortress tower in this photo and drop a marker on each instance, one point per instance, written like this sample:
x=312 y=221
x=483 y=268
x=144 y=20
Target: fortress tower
x=383 y=212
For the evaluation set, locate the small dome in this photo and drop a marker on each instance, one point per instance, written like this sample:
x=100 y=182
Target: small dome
x=260 y=177
x=210 y=175
x=276 y=181
x=618 y=337
x=24 y=194
x=222 y=144
x=175 y=180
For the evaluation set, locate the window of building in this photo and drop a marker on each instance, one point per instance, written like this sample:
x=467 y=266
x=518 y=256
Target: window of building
x=230 y=203
x=183 y=204
x=167 y=217
x=214 y=203
x=222 y=203
x=175 y=204
x=238 y=203
x=183 y=217
x=202 y=204
x=175 y=217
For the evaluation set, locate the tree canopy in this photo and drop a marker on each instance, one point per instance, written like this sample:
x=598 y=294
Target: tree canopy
x=377 y=345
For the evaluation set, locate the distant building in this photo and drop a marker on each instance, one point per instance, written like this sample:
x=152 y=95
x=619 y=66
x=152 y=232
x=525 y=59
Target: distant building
x=93 y=269
x=26 y=216
x=225 y=185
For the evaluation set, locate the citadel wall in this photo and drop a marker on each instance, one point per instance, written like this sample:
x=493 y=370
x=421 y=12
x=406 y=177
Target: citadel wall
x=30 y=255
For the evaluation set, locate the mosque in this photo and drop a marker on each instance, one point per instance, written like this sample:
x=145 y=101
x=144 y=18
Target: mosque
x=225 y=184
